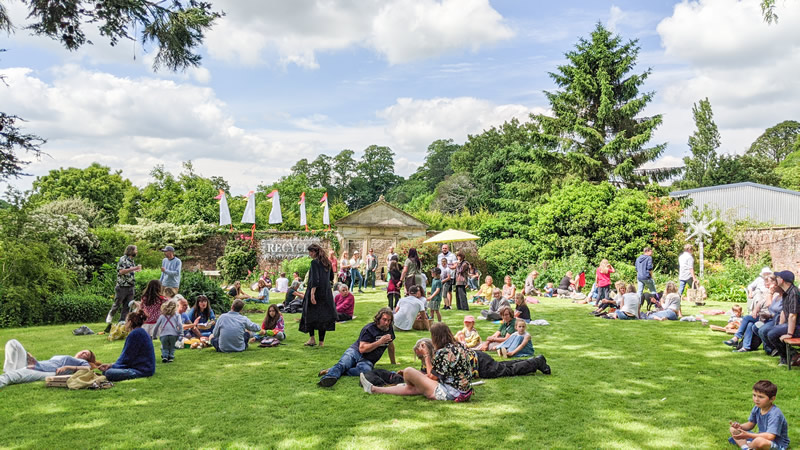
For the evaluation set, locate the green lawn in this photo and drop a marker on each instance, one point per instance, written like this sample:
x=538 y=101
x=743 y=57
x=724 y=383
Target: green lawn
x=614 y=385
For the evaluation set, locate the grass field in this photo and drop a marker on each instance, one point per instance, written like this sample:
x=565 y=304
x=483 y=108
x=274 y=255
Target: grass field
x=614 y=385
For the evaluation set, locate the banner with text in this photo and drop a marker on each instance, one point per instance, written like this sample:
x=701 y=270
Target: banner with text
x=277 y=248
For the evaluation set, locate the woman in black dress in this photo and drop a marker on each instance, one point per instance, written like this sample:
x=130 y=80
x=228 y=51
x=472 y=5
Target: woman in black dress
x=319 y=311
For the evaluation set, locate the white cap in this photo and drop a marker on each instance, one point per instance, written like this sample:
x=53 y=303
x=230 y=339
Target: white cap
x=766 y=270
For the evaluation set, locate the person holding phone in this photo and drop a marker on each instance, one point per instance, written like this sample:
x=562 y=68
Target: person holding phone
x=375 y=338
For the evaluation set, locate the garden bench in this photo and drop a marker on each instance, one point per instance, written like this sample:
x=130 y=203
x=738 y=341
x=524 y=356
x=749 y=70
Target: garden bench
x=790 y=343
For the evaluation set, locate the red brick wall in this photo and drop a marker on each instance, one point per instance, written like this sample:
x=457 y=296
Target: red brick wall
x=783 y=244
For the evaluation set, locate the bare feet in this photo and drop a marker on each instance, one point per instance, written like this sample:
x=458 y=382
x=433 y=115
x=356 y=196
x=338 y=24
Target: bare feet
x=310 y=343
x=321 y=343
x=31 y=360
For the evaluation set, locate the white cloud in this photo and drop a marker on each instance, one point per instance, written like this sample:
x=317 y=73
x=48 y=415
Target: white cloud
x=400 y=30
x=746 y=68
x=135 y=123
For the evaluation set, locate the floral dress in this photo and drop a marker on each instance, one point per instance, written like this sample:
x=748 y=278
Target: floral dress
x=453 y=365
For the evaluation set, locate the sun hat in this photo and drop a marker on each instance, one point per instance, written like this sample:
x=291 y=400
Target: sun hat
x=469 y=319
x=786 y=276
x=766 y=270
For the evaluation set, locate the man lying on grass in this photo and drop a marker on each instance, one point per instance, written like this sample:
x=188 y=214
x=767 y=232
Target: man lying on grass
x=21 y=367
x=375 y=338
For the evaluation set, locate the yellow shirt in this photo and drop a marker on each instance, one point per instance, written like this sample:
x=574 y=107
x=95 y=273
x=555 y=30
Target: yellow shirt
x=485 y=291
x=472 y=338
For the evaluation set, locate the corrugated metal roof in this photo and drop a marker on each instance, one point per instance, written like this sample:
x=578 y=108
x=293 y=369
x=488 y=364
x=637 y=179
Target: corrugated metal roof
x=729 y=186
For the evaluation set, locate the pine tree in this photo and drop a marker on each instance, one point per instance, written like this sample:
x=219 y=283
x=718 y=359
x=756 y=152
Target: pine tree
x=596 y=124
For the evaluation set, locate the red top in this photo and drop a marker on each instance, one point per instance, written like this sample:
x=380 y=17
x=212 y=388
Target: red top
x=604 y=279
x=334 y=264
x=153 y=311
x=344 y=305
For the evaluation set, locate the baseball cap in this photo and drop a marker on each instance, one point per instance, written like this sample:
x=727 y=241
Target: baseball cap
x=168 y=248
x=786 y=276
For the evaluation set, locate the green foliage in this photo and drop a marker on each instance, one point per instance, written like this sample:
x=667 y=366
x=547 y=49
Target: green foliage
x=194 y=283
x=73 y=206
x=299 y=265
x=463 y=220
x=11 y=139
x=437 y=164
x=728 y=281
x=777 y=142
x=789 y=169
x=553 y=270
x=427 y=253
x=157 y=235
x=111 y=244
x=374 y=176
x=703 y=144
x=96 y=184
x=187 y=199
x=70 y=241
x=239 y=258
x=597 y=122
x=144 y=277
x=77 y=308
x=456 y=193
x=507 y=256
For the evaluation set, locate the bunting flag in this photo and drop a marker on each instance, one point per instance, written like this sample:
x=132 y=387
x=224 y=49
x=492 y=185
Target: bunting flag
x=275 y=213
x=303 y=210
x=224 y=211
x=326 y=218
x=249 y=215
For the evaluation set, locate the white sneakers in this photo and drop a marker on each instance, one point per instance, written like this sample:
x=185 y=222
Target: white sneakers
x=366 y=384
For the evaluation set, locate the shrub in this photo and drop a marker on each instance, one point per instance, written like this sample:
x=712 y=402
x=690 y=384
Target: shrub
x=111 y=244
x=239 y=259
x=194 y=283
x=299 y=265
x=427 y=253
x=78 y=206
x=156 y=235
x=506 y=256
x=142 y=278
x=77 y=308
x=728 y=281
x=552 y=271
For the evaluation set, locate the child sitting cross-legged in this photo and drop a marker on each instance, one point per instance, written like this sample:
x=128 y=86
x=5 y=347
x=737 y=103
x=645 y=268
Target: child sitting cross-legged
x=603 y=304
x=517 y=344
x=773 y=430
x=469 y=336
x=272 y=326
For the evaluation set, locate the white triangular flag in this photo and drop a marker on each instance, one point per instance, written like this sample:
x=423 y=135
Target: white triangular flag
x=249 y=215
x=224 y=211
x=275 y=213
x=303 y=209
x=326 y=218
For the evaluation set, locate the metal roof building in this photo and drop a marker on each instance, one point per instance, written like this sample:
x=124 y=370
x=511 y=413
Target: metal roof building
x=747 y=201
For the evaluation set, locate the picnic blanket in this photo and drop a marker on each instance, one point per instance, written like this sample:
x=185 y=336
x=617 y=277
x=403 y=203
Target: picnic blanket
x=712 y=312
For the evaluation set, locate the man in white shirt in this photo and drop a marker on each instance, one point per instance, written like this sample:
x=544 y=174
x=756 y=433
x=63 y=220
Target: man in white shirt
x=685 y=268
x=282 y=283
x=408 y=308
x=448 y=255
x=391 y=255
x=355 y=273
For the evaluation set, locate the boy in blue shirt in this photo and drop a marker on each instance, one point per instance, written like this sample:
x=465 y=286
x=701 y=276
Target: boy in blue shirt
x=773 y=430
x=435 y=300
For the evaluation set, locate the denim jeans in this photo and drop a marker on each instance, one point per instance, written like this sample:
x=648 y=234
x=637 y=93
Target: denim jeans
x=622 y=316
x=750 y=340
x=649 y=284
x=370 y=279
x=682 y=285
x=666 y=314
x=351 y=363
x=168 y=346
x=762 y=334
x=747 y=321
x=473 y=284
x=354 y=273
x=774 y=337
x=122 y=374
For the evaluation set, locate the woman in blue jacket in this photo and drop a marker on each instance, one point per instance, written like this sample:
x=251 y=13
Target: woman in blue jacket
x=138 y=359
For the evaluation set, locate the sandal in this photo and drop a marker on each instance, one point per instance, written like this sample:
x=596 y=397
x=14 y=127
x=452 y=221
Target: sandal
x=310 y=344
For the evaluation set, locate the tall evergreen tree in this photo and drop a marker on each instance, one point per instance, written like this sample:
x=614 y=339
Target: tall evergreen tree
x=703 y=144
x=596 y=123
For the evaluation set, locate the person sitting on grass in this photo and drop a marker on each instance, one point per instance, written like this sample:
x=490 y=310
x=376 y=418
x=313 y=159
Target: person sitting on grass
x=282 y=283
x=435 y=299
x=450 y=376
x=294 y=298
x=272 y=326
x=670 y=306
x=236 y=291
x=509 y=289
x=345 y=303
x=169 y=328
x=202 y=318
x=530 y=287
x=21 y=367
x=602 y=305
x=263 y=292
x=521 y=311
x=567 y=285
x=231 y=332
x=484 y=292
x=773 y=430
x=408 y=309
x=497 y=303
x=469 y=336
x=549 y=290
x=629 y=308
x=506 y=329
x=138 y=358
x=518 y=344
x=375 y=338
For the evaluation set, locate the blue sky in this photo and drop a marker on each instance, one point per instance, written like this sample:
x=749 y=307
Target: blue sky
x=285 y=80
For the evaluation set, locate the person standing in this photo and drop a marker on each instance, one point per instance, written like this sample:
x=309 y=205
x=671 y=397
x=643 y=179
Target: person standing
x=446 y=266
x=603 y=280
x=170 y=269
x=334 y=264
x=372 y=267
x=447 y=255
x=319 y=310
x=686 y=269
x=355 y=271
x=391 y=255
x=644 y=272
x=412 y=271
x=126 y=281
x=461 y=273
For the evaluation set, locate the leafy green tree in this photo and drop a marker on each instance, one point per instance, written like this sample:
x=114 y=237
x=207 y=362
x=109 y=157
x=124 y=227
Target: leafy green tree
x=597 y=122
x=96 y=183
x=344 y=167
x=703 y=145
x=11 y=141
x=375 y=170
x=437 y=164
x=777 y=142
x=319 y=172
x=160 y=196
x=740 y=168
x=789 y=169
x=455 y=194
x=301 y=167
